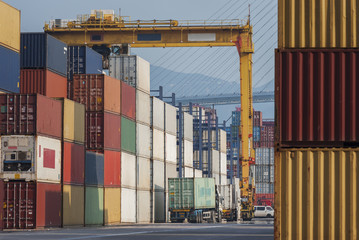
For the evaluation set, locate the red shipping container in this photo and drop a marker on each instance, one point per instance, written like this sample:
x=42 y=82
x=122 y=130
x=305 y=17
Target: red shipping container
x=30 y=114
x=73 y=163
x=264 y=199
x=97 y=92
x=42 y=81
x=257 y=118
x=316 y=103
x=48 y=205
x=112 y=167
x=18 y=205
x=103 y=131
x=128 y=101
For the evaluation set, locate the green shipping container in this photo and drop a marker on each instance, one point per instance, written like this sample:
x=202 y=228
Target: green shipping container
x=191 y=193
x=128 y=135
x=94 y=206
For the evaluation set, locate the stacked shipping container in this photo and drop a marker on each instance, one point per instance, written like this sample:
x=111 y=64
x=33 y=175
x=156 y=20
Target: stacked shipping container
x=316 y=106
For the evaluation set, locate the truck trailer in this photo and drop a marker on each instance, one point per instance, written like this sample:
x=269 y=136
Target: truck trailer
x=230 y=196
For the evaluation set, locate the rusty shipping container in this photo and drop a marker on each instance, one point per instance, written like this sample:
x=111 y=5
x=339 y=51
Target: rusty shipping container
x=44 y=82
x=128 y=101
x=73 y=162
x=112 y=169
x=318 y=24
x=316 y=101
x=316 y=193
x=48 y=205
x=30 y=114
x=97 y=92
x=103 y=131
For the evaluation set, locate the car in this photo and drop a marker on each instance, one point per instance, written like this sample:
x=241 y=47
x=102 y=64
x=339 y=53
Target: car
x=263 y=211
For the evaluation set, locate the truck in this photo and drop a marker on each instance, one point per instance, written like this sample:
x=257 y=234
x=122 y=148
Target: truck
x=230 y=199
x=194 y=200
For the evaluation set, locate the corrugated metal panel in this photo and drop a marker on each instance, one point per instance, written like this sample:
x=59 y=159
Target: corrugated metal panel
x=317 y=105
x=128 y=170
x=73 y=202
x=316 y=193
x=73 y=163
x=112 y=169
x=94 y=168
x=143 y=207
x=10 y=27
x=318 y=24
x=128 y=101
x=94 y=206
x=9 y=69
x=48 y=205
x=112 y=206
x=128 y=135
x=128 y=205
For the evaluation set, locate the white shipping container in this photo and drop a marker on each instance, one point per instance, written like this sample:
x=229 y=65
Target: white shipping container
x=223 y=159
x=143 y=140
x=197 y=173
x=128 y=205
x=223 y=179
x=223 y=141
x=143 y=173
x=215 y=161
x=188 y=172
x=216 y=176
x=144 y=207
x=188 y=153
x=159 y=200
x=157 y=113
x=158 y=175
x=171 y=148
x=158 y=144
x=133 y=70
x=171 y=172
x=143 y=108
x=187 y=126
x=128 y=170
x=170 y=119
x=30 y=158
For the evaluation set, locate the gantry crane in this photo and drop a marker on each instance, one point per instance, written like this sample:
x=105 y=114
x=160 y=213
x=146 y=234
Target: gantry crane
x=107 y=33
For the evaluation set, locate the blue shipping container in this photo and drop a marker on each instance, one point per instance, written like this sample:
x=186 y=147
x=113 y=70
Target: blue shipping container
x=40 y=50
x=9 y=70
x=94 y=169
x=256 y=134
x=83 y=60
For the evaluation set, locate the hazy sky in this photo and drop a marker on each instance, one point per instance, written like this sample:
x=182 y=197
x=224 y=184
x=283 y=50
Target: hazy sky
x=218 y=62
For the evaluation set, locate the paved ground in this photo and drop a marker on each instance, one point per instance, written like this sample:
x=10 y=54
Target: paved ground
x=259 y=229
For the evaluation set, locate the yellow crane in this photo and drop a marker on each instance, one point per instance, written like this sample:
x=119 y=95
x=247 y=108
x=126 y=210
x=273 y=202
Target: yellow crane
x=105 y=32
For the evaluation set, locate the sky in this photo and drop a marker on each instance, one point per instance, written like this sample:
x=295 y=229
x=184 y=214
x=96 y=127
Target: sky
x=220 y=62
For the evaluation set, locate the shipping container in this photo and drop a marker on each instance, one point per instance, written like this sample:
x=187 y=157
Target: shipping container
x=73 y=202
x=112 y=206
x=158 y=175
x=187 y=127
x=316 y=193
x=170 y=148
x=94 y=212
x=10 y=18
x=143 y=174
x=216 y=164
x=171 y=172
x=97 y=92
x=143 y=108
x=191 y=193
x=19 y=205
x=144 y=213
x=112 y=169
x=316 y=105
x=128 y=135
x=264 y=199
x=128 y=170
x=9 y=69
x=29 y=115
x=44 y=82
x=256 y=133
x=157 y=114
x=159 y=207
x=188 y=172
x=264 y=156
x=263 y=173
x=318 y=24
x=83 y=60
x=133 y=70
x=103 y=131
x=257 y=118
x=197 y=173
x=143 y=140
x=94 y=168
x=188 y=153
x=223 y=163
x=158 y=147
x=216 y=177
x=128 y=101
x=30 y=158
x=48 y=205
x=73 y=163
x=128 y=205
x=170 y=119
x=41 y=50
x=231 y=196
x=222 y=141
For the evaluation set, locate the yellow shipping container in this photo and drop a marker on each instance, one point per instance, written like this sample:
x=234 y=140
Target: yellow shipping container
x=318 y=24
x=73 y=205
x=9 y=27
x=112 y=200
x=316 y=193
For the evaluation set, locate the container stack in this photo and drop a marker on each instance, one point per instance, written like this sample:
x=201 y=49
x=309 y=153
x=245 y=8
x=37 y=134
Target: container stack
x=264 y=176
x=31 y=132
x=9 y=48
x=317 y=132
x=267 y=134
x=43 y=63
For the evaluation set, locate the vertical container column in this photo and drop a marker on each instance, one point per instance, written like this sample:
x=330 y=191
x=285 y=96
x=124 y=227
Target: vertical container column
x=188 y=145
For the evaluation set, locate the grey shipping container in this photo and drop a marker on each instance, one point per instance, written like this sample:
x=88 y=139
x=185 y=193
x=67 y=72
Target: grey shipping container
x=94 y=169
x=9 y=70
x=191 y=193
x=40 y=50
